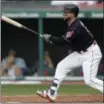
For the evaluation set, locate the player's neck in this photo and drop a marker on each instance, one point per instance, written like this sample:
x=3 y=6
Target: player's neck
x=71 y=21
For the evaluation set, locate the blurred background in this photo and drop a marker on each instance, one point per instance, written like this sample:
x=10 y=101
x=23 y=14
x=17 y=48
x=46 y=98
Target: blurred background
x=28 y=63
x=25 y=54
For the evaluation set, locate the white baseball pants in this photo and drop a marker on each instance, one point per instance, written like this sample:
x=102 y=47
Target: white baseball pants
x=89 y=61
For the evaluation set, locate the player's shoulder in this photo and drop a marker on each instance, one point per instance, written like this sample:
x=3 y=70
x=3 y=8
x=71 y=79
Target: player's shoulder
x=77 y=24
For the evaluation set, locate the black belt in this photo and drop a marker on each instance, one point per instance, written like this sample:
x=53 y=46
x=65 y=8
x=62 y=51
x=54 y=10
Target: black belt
x=82 y=51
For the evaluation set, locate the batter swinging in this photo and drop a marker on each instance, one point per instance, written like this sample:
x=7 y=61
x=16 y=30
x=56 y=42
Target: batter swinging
x=86 y=54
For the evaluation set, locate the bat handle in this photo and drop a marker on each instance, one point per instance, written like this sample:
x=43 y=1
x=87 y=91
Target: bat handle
x=34 y=32
x=41 y=35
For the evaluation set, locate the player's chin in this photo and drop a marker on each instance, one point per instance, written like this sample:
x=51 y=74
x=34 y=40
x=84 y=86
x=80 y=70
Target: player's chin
x=66 y=19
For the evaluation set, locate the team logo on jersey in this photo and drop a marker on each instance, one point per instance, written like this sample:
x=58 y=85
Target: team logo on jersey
x=69 y=34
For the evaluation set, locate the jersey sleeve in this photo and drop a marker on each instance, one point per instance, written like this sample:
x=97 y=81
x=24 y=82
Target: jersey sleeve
x=58 y=40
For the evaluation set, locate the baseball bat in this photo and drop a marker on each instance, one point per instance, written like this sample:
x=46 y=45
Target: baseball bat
x=17 y=24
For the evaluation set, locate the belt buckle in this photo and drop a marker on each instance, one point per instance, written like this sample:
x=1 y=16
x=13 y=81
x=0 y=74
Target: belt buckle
x=94 y=42
x=81 y=52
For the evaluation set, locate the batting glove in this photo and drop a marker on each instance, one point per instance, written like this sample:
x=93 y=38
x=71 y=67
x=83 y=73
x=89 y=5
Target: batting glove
x=46 y=37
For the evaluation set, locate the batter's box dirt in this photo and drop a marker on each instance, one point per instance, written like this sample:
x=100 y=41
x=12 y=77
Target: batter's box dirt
x=62 y=99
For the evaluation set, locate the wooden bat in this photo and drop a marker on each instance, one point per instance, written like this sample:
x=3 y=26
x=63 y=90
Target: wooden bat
x=17 y=24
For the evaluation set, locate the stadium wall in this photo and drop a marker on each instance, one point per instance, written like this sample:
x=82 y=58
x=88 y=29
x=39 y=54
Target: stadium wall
x=32 y=47
x=27 y=44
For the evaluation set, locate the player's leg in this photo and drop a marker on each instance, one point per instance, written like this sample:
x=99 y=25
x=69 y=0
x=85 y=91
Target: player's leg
x=66 y=65
x=63 y=67
x=90 y=68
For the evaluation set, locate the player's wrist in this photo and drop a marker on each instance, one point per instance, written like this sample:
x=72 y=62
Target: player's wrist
x=46 y=37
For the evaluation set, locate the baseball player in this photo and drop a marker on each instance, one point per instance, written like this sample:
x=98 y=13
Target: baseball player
x=86 y=53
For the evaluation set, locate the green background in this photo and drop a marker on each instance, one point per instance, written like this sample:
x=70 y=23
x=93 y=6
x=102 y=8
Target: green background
x=31 y=89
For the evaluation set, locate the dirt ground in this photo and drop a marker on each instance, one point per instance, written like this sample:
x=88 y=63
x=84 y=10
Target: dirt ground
x=62 y=99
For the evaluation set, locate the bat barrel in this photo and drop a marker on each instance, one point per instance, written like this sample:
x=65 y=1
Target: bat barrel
x=10 y=21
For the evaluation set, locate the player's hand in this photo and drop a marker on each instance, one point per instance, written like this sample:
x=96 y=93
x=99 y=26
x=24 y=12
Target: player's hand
x=46 y=37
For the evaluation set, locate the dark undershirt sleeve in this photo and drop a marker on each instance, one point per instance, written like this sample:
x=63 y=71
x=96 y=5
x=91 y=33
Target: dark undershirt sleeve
x=65 y=39
x=58 y=40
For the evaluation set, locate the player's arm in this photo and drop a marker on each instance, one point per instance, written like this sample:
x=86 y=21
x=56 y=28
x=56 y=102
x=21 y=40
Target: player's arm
x=54 y=40
x=67 y=38
x=58 y=40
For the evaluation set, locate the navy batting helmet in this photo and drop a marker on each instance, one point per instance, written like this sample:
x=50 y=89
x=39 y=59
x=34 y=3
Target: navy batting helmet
x=71 y=8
